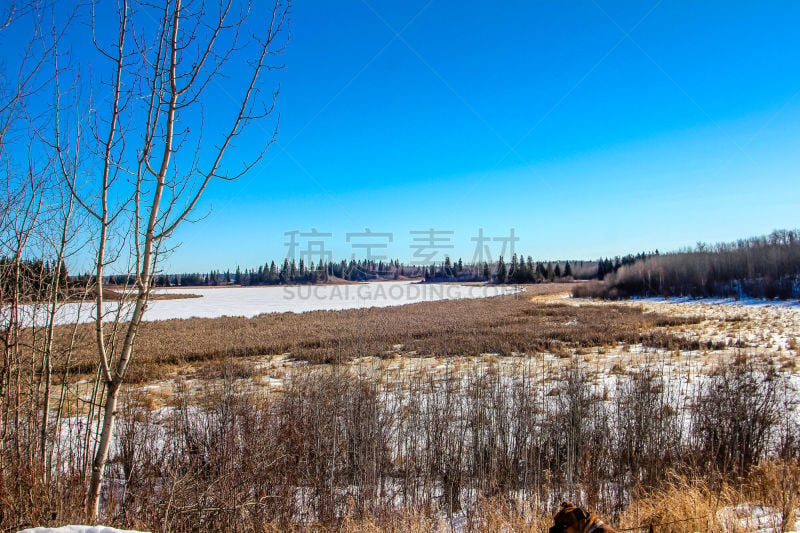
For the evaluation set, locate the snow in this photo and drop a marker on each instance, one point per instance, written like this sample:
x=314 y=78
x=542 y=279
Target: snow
x=252 y=301
x=77 y=529
x=215 y=302
x=741 y=302
x=754 y=518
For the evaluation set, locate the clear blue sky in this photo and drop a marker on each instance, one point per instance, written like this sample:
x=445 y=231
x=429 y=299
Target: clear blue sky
x=593 y=128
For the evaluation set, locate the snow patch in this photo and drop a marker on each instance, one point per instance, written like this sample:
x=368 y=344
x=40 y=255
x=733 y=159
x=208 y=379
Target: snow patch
x=754 y=518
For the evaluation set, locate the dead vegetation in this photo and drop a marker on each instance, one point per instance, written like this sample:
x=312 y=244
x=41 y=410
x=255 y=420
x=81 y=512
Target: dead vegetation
x=469 y=448
x=503 y=325
x=684 y=502
x=428 y=426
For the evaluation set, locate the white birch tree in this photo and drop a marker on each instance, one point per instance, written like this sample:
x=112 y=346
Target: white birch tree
x=179 y=82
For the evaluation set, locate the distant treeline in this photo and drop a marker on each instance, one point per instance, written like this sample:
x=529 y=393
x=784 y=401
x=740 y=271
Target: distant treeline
x=518 y=270
x=293 y=272
x=760 y=267
x=30 y=279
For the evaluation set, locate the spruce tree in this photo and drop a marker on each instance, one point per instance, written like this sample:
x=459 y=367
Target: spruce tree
x=501 y=270
x=540 y=268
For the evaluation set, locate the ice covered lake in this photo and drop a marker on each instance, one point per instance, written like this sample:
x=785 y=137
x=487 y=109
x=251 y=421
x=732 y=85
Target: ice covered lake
x=251 y=301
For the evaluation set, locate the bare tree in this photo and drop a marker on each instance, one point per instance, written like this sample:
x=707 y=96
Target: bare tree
x=166 y=71
x=22 y=211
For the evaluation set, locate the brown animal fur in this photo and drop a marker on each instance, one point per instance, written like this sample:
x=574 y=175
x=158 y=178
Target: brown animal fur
x=573 y=519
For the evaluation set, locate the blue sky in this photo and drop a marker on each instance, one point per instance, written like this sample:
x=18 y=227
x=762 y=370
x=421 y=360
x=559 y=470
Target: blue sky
x=593 y=128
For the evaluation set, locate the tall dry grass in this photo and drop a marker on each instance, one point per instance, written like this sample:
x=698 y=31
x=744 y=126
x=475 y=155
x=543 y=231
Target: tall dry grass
x=688 y=502
x=503 y=325
x=680 y=504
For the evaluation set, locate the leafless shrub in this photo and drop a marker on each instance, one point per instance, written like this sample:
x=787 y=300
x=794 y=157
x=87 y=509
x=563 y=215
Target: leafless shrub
x=590 y=289
x=646 y=428
x=578 y=439
x=736 y=414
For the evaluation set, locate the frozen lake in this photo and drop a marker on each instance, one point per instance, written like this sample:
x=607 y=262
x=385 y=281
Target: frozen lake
x=251 y=301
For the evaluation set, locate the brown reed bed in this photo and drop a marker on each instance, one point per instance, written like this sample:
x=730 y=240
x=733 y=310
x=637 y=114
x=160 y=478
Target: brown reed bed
x=503 y=325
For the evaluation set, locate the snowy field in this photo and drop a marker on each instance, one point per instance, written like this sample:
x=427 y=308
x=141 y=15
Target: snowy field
x=251 y=301
x=758 y=328
x=766 y=326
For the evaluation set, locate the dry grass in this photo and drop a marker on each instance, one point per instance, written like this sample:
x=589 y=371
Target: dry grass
x=116 y=293
x=503 y=325
x=776 y=484
x=678 y=506
x=694 y=504
x=173 y=296
x=405 y=520
x=473 y=450
x=498 y=514
x=384 y=442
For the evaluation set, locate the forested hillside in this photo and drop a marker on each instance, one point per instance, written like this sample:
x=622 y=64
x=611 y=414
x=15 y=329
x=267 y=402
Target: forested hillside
x=760 y=267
